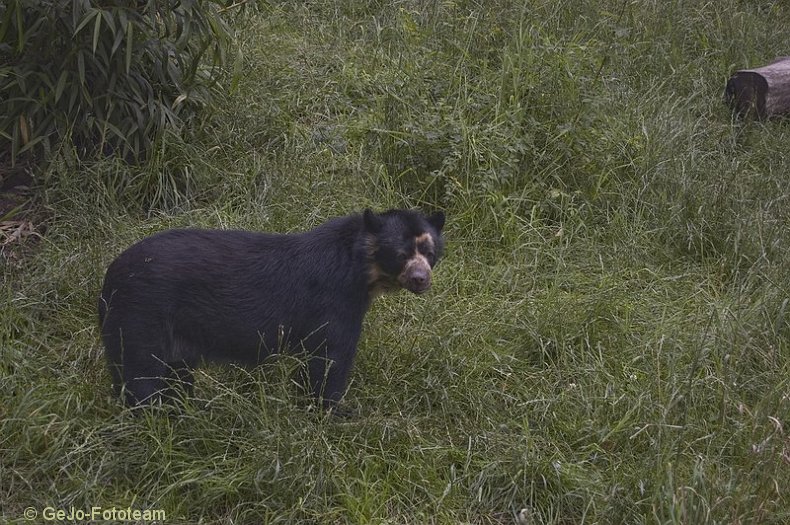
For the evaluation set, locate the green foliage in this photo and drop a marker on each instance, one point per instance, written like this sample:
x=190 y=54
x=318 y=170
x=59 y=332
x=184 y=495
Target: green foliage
x=607 y=339
x=111 y=75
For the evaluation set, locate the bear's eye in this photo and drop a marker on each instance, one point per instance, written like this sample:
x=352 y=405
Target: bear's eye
x=426 y=250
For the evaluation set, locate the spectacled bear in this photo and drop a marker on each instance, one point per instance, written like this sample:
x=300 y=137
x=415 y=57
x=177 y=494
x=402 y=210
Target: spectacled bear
x=183 y=297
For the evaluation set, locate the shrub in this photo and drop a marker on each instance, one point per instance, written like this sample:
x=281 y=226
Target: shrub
x=110 y=74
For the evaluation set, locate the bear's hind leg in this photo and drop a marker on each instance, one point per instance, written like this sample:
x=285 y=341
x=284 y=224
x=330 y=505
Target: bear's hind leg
x=145 y=390
x=165 y=382
x=181 y=379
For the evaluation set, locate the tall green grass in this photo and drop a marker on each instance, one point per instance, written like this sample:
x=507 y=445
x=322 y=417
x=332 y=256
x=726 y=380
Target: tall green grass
x=607 y=337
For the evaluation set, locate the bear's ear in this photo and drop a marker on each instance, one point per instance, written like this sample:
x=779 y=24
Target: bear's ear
x=373 y=222
x=437 y=221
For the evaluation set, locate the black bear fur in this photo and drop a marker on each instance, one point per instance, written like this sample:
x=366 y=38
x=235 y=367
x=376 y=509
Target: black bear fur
x=182 y=297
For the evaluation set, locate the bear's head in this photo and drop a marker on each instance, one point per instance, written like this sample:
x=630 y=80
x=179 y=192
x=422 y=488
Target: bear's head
x=403 y=248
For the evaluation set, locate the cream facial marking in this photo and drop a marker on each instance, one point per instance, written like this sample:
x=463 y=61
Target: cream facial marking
x=416 y=274
x=379 y=282
x=424 y=239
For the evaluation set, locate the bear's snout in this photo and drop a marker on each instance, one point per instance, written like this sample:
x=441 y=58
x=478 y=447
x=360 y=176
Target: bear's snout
x=416 y=275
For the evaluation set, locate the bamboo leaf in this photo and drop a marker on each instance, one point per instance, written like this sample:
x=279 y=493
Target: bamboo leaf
x=89 y=15
x=96 y=31
x=61 y=84
x=117 y=43
x=123 y=20
x=81 y=68
x=179 y=99
x=129 y=45
x=117 y=132
x=15 y=143
x=72 y=101
x=109 y=20
x=20 y=31
x=7 y=21
x=31 y=144
x=23 y=129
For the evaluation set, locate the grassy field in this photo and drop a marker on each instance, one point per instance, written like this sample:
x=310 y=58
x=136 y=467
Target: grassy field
x=608 y=336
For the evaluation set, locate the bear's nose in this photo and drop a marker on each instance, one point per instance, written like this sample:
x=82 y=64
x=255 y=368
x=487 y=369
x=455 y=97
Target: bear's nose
x=416 y=276
x=420 y=280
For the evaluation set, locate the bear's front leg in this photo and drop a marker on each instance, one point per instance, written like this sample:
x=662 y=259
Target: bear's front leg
x=330 y=366
x=328 y=378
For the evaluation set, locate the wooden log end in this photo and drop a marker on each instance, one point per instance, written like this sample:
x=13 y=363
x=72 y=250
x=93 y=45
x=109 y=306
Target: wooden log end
x=746 y=92
x=764 y=91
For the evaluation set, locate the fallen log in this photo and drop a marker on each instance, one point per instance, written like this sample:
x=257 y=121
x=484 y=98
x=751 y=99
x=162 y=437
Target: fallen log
x=764 y=91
